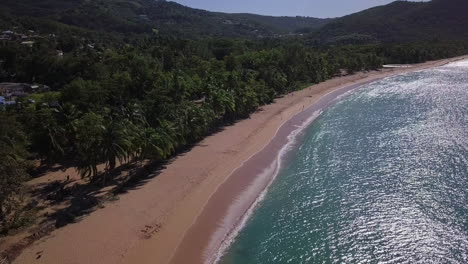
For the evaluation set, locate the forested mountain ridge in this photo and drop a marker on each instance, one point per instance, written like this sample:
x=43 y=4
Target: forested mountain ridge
x=145 y=16
x=401 y=21
x=286 y=24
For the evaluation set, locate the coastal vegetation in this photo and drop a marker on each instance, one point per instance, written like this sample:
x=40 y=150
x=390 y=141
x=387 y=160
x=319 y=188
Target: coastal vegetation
x=125 y=90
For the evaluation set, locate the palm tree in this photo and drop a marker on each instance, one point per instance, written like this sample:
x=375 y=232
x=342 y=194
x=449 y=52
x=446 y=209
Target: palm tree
x=13 y=166
x=222 y=102
x=117 y=143
x=89 y=135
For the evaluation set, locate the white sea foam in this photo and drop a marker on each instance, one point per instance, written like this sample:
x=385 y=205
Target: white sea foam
x=226 y=234
x=463 y=63
x=398 y=172
x=271 y=172
x=229 y=234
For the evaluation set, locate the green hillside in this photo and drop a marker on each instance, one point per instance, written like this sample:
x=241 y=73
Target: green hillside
x=286 y=24
x=401 y=21
x=140 y=16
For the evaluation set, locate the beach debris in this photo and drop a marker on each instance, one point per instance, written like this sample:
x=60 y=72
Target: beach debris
x=4 y=260
x=150 y=230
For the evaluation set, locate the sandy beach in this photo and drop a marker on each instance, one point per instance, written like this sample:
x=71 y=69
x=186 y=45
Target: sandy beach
x=186 y=212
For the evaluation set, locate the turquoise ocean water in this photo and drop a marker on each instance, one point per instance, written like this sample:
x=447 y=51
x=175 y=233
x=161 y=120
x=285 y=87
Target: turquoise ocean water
x=379 y=177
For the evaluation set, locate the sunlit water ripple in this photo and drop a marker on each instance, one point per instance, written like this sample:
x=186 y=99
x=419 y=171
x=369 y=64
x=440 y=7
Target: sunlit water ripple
x=380 y=177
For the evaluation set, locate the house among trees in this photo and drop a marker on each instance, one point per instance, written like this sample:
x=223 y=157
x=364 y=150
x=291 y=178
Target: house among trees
x=27 y=43
x=4 y=37
x=12 y=91
x=143 y=17
x=4 y=102
x=22 y=38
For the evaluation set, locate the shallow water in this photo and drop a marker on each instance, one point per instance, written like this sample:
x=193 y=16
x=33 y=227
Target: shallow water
x=380 y=177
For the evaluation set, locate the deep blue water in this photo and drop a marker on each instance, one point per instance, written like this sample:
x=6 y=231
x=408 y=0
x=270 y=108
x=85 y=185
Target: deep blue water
x=380 y=177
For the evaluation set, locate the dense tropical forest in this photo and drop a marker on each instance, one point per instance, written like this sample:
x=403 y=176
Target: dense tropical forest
x=124 y=92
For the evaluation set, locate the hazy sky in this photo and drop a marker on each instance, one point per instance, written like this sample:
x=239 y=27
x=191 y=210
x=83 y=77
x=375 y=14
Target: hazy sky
x=313 y=8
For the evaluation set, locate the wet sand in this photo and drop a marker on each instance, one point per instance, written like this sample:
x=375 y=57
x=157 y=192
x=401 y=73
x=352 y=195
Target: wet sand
x=242 y=189
x=186 y=211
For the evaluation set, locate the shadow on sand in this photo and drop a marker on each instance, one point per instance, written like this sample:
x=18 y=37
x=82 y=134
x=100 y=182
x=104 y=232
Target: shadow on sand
x=64 y=202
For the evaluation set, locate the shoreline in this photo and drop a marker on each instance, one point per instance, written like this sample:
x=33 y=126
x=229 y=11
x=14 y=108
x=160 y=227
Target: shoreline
x=295 y=129
x=248 y=185
x=218 y=241
x=169 y=206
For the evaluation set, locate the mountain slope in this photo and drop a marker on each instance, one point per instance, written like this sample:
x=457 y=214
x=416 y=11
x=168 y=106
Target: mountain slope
x=401 y=21
x=138 y=16
x=189 y=21
x=286 y=24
